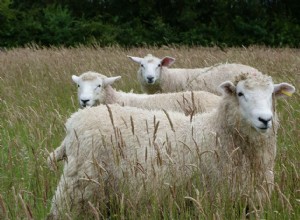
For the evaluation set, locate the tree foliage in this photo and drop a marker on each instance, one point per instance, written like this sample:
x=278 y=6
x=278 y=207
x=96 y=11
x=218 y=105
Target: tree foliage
x=138 y=22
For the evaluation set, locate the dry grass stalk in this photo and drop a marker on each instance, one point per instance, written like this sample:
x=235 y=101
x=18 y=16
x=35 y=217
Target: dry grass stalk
x=169 y=119
x=284 y=200
x=26 y=208
x=111 y=118
x=3 y=211
x=155 y=128
x=197 y=203
x=132 y=125
x=94 y=211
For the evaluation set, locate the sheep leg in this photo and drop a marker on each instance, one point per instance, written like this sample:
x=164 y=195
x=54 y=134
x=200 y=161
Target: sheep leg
x=59 y=200
x=57 y=155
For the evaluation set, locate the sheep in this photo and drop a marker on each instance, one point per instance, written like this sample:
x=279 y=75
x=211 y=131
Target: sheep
x=110 y=145
x=155 y=76
x=95 y=88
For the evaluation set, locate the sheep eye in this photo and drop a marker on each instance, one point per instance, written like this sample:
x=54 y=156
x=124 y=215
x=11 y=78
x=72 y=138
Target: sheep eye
x=142 y=65
x=78 y=86
x=240 y=94
x=99 y=86
x=159 y=65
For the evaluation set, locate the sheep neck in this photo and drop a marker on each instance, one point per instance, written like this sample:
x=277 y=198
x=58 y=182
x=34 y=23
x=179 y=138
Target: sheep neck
x=171 y=82
x=110 y=95
x=152 y=89
x=122 y=98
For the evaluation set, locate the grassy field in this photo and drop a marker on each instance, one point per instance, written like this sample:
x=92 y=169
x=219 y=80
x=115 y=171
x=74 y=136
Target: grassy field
x=37 y=95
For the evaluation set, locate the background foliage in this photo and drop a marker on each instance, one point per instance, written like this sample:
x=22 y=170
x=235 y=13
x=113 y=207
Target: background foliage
x=138 y=22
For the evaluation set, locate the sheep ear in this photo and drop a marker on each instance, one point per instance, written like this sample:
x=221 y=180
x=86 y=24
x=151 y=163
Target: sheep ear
x=75 y=78
x=227 y=88
x=135 y=59
x=283 y=90
x=167 y=61
x=110 y=80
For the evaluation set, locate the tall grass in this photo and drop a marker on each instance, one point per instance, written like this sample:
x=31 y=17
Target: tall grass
x=37 y=96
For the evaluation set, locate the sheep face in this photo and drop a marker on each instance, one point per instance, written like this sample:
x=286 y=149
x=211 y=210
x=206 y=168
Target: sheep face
x=254 y=98
x=151 y=67
x=91 y=90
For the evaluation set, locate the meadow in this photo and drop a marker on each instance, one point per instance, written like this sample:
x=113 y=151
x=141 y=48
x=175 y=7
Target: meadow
x=37 y=95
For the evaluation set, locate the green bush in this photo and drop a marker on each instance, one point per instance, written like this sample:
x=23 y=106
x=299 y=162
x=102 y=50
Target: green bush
x=134 y=23
x=58 y=26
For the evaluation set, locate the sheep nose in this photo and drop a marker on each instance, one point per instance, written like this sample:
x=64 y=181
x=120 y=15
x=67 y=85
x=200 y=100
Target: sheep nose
x=150 y=78
x=84 y=101
x=265 y=121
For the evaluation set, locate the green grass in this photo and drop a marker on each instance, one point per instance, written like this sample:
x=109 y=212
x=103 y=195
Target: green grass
x=37 y=96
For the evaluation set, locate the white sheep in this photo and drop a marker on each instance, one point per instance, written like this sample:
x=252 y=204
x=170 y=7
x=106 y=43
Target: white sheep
x=108 y=146
x=95 y=88
x=155 y=76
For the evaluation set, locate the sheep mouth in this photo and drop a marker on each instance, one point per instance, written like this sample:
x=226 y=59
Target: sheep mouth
x=263 y=129
x=85 y=105
x=150 y=82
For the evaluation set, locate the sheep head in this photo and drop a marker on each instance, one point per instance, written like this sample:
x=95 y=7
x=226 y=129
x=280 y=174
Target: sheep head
x=91 y=88
x=254 y=95
x=150 y=68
